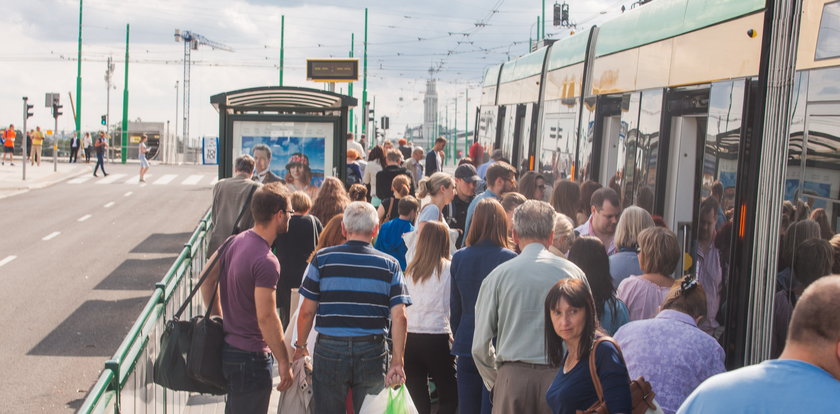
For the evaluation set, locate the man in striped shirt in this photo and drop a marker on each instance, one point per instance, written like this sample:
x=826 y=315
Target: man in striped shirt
x=354 y=290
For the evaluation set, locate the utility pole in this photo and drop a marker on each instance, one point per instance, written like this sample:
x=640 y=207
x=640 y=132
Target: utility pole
x=124 y=141
x=56 y=112
x=350 y=86
x=79 y=78
x=109 y=70
x=543 y=19
x=467 y=125
x=455 y=126
x=364 y=79
x=282 y=43
x=175 y=138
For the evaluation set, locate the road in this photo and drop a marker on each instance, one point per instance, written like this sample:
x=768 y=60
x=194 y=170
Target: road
x=78 y=261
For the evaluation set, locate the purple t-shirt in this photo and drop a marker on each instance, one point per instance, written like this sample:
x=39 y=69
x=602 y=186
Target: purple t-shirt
x=248 y=264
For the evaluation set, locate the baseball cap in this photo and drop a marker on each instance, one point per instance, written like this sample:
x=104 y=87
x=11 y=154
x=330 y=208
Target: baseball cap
x=467 y=173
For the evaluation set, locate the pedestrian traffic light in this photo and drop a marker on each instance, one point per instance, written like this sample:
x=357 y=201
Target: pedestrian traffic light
x=29 y=108
x=385 y=122
x=561 y=14
x=57 y=110
x=104 y=120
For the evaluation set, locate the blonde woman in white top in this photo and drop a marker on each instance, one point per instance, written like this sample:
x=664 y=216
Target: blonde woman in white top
x=429 y=334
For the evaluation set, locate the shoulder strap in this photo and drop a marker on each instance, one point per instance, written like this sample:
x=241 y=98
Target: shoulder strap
x=197 y=286
x=593 y=369
x=244 y=207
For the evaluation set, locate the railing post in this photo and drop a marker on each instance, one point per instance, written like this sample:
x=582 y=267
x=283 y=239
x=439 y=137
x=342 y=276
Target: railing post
x=114 y=366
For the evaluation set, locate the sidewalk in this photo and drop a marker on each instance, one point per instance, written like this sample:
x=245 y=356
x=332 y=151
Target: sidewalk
x=12 y=182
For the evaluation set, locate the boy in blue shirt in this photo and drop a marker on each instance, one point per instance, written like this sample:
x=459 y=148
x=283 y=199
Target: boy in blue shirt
x=390 y=238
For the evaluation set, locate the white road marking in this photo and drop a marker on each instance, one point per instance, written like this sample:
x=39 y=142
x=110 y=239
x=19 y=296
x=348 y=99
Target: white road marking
x=109 y=205
x=79 y=180
x=136 y=179
x=83 y=218
x=7 y=260
x=51 y=235
x=166 y=179
x=111 y=178
x=128 y=194
x=192 y=180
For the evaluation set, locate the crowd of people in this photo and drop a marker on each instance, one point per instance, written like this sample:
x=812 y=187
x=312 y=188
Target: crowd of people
x=509 y=295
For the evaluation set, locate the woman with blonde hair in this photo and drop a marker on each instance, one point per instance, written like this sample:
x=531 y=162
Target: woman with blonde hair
x=331 y=200
x=625 y=262
x=487 y=247
x=427 y=346
x=388 y=209
x=440 y=187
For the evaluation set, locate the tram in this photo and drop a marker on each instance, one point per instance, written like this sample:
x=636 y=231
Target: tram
x=658 y=104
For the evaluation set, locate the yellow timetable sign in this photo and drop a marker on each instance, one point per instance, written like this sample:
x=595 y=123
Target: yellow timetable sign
x=332 y=70
x=135 y=139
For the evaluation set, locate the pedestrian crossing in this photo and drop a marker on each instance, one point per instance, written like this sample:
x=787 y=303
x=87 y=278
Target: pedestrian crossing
x=133 y=180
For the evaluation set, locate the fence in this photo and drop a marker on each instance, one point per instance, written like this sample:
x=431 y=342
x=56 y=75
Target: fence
x=126 y=385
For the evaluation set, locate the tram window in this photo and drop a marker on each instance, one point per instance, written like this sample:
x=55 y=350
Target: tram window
x=508 y=127
x=586 y=162
x=624 y=181
x=647 y=149
x=557 y=151
x=828 y=39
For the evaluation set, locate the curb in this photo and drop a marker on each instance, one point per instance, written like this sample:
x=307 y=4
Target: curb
x=26 y=186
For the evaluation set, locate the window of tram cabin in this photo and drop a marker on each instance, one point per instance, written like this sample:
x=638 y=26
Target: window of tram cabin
x=487 y=123
x=623 y=182
x=557 y=148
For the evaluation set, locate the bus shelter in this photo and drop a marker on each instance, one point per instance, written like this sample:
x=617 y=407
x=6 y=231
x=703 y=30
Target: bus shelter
x=303 y=128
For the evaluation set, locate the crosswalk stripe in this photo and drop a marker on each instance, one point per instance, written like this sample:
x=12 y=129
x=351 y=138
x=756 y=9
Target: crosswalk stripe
x=111 y=178
x=79 y=180
x=166 y=179
x=7 y=260
x=136 y=179
x=192 y=180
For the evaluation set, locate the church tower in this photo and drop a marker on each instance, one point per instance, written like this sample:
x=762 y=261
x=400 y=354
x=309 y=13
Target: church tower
x=430 y=109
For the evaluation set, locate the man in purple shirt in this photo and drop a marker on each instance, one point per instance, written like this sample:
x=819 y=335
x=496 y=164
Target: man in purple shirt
x=606 y=209
x=670 y=350
x=249 y=273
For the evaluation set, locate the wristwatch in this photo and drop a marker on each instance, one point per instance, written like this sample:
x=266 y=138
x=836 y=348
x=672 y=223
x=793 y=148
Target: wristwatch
x=300 y=346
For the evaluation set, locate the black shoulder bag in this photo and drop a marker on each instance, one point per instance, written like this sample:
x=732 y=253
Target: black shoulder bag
x=190 y=355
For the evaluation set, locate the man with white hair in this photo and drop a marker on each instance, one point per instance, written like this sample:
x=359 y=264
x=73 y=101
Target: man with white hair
x=355 y=290
x=509 y=310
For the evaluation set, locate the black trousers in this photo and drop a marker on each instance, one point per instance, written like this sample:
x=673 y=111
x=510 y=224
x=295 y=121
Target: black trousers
x=100 y=163
x=428 y=355
x=74 y=154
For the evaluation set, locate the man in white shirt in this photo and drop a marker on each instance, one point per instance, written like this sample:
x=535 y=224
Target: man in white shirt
x=352 y=144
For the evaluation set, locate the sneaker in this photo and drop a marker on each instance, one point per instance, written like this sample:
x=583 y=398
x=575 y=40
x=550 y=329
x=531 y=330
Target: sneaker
x=105 y=174
x=142 y=180
x=13 y=164
x=94 y=174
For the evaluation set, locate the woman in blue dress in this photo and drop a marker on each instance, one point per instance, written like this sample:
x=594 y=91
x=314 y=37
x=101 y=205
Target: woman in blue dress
x=570 y=321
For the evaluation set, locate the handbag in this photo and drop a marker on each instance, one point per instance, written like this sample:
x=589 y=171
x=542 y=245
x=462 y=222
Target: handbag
x=190 y=357
x=641 y=393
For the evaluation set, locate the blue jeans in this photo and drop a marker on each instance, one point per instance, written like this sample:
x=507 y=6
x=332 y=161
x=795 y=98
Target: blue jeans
x=100 y=163
x=249 y=380
x=341 y=364
x=473 y=397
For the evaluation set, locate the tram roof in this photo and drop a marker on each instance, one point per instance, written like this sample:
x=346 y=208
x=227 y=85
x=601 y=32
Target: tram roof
x=523 y=67
x=568 y=51
x=268 y=97
x=664 y=19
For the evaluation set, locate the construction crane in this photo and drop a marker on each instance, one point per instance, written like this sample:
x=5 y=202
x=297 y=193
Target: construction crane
x=191 y=42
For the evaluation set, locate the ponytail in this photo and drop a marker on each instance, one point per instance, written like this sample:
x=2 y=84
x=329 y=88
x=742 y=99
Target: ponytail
x=431 y=185
x=400 y=185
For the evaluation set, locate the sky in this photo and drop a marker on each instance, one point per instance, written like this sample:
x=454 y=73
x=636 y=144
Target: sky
x=458 y=40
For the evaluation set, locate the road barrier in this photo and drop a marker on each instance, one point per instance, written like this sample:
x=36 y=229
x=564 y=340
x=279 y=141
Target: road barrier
x=126 y=385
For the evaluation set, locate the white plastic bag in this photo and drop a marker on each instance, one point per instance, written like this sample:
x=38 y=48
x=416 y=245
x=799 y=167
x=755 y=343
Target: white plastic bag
x=389 y=401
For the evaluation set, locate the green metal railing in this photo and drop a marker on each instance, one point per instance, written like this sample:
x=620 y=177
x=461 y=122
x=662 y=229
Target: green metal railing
x=126 y=385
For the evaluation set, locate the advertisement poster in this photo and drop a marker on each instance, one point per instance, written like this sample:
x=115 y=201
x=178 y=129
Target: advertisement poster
x=209 y=150
x=299 y=153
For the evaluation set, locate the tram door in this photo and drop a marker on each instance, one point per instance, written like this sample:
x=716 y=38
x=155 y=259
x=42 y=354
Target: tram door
x=684 y=158
x=610 y=138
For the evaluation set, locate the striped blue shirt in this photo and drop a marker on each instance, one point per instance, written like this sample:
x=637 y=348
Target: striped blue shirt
x=355 y=286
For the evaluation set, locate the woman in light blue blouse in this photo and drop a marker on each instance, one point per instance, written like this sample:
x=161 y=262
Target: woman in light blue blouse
x=591 y=257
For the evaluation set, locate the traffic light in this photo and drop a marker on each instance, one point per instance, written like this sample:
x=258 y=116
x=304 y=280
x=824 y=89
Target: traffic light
x=104 y=120
x=561 y=14
x=385 y=122
x=57 y=110
x=371 y=117
x=29 y=108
